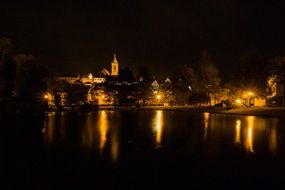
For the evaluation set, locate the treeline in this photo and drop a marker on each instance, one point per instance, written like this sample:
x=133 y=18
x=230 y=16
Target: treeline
x=199 y=82
x=22 y=81
x=186 y=85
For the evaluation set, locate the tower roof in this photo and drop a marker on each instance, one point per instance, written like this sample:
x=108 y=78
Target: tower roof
x=115 y=59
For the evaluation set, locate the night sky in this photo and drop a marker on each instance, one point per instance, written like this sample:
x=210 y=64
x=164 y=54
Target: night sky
x=81 y=36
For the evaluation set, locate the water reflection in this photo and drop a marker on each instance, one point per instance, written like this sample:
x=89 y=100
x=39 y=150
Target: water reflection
x=88 y=133
x=273 y=143
x=103 y=129
x=237 y=131
x=115 y=143
x=273 y=140
x=158 y=126
x=206 y=124
x=98 y=132
x=249 y=134
x=49 y=128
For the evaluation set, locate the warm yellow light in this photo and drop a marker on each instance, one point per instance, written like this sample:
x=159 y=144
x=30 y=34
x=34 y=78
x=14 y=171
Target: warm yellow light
x=103 y=96
x=206 y=124
x=237 y=131
x=250 y=134
x=238 y=101
x=158 y=96
x=250 y=93
x=158 y=127
x=273 y=140
x=103 y=129
x=46 y=96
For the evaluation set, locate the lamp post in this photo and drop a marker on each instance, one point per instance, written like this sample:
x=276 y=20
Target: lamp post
x=158 y=97
x=250 y=94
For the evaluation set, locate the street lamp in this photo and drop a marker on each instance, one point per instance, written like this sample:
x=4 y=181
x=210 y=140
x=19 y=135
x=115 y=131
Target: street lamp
x=46 y=96
x=250 y=95
x=238 y=101
x=158 y=97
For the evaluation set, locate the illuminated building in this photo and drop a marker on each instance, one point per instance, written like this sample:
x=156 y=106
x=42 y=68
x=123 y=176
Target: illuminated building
x=114 y=67
x=95 y=92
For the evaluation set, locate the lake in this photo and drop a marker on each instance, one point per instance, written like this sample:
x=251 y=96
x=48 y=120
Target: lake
x=143 y=149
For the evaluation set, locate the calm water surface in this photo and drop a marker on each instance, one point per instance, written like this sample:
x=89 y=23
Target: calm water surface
x=145 y=149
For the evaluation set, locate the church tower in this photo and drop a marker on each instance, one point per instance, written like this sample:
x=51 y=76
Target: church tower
x=114 y=67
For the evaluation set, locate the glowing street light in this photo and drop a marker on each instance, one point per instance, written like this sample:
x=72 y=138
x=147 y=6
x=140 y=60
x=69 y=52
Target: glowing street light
x=238 y=101
x=46 y=96
x=249 y=93
x=158 y=97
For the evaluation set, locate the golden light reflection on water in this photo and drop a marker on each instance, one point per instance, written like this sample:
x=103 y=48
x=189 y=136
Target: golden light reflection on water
x=273 y=140
x=158 y=126
x=249 y=134
x=115 y=144
x=96 y=131
x=103 y=129
x=237 y=131
x=206 y=124
x=88 y=132
x=62 y=126
x=49 y=128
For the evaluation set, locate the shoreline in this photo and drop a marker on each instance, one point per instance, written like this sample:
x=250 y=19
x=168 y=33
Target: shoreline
x=253 y=111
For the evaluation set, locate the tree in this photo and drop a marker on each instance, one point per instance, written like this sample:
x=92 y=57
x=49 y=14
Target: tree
x=209 y=74
x=7 y=69
x=5 y=50
x=197 y=98
x=31 y=77
x=31 y=82
x=180 y=92
x=76 y=93
x=22 y=81
x=126 y=74
x=121 y=89
x=56 y=88
x=246 y=76
x=143 y=73
x=143 y=91
x=278 y=69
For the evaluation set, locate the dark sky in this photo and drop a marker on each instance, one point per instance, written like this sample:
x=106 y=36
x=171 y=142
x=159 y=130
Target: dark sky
x=81 y=36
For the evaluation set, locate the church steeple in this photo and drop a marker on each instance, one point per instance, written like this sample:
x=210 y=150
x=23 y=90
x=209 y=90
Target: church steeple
x=114 y=66
x=115 y=58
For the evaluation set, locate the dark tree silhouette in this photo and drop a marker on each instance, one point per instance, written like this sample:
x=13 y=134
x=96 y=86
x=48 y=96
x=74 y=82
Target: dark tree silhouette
x=143 y=90
x=7 y=70
x=209 y=74
x=246 y=76
x=126 y=75
x=76 y=93
x=278 y=69
x=30 y=83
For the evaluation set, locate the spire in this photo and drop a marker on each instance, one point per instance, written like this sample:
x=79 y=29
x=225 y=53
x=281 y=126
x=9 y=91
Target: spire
x=114 y=66
x=115 y=59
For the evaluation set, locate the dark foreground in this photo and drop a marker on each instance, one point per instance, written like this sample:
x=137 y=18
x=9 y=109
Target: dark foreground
x=142 y=150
